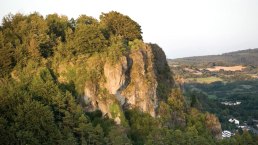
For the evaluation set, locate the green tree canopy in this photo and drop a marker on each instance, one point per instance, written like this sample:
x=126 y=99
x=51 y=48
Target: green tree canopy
x=57 y=26
x=86 y=20
x=88 y=39
x=120 y=25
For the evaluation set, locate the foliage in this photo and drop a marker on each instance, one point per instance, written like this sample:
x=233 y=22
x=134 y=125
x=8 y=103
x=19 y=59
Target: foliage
x=57 y=26
x=7 y=60
x=118 y=136
x=141 y=125
x=241 y=91
x=116 y=24
x=116 y=50
x=88 y=38
x=45 y=64
x=136 y=44
x=176 y=100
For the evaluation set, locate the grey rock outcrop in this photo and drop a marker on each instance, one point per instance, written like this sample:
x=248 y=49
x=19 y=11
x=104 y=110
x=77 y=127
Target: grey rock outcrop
x=132 y=81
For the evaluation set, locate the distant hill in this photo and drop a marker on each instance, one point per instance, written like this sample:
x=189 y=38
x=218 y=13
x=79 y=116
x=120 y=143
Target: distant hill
x=243 y=57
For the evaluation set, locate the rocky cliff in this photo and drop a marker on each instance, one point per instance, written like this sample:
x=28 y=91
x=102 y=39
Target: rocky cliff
x=139 y=78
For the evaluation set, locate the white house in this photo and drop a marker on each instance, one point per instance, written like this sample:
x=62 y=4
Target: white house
x=226 y=133
x=232 y=120
x=238 y=103
x=236 y=122
x=231 y=103
x=242 y=126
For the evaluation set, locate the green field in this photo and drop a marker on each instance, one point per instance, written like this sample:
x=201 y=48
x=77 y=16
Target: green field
x=214 y=97
x=206 y=80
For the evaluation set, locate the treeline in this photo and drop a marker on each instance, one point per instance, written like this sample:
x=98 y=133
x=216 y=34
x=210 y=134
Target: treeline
x=39 y=106
x=33 y=37
x=242 y=91
x=243 y=57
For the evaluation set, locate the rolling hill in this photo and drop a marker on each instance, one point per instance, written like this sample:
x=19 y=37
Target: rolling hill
x=243 y=57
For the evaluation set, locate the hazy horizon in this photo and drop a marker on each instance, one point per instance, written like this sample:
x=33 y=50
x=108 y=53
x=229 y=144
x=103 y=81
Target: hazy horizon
x=182 y=28
x=215 y=54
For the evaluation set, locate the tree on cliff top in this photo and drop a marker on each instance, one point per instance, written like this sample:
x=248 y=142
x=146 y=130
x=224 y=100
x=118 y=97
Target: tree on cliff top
x=116 y=24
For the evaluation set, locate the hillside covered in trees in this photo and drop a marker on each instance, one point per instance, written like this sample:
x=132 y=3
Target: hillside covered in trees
x=243 y=57
x=89 y=81
x=216 y=83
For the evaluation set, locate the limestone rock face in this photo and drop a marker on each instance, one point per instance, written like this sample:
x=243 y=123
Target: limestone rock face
x=115 y=75
x=141 y=92
x=132 y=82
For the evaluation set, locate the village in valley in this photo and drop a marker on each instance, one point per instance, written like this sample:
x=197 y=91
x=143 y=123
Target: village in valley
x=243 y=126
x=227 y=90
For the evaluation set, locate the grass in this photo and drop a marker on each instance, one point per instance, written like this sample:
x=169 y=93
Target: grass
x=247 y=86
x=212 y=97
x=227 y=68
x=206 y=80
x=115 y=110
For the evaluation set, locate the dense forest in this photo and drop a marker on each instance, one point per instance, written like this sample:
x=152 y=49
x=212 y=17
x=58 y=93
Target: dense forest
x=38 y=106
x=227 y=89
x=210 y=98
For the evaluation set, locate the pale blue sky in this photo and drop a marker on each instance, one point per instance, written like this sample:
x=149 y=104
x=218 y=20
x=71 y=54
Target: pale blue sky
x=181 y=27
